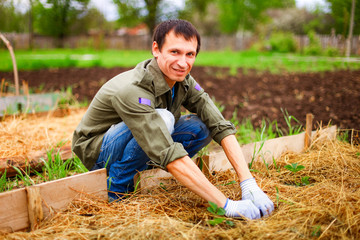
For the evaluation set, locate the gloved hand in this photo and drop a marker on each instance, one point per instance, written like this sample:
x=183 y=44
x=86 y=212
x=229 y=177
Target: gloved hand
x=251 y=191
x=242 y=208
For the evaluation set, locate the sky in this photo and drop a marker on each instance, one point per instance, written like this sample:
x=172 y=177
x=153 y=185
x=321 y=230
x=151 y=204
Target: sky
x=108 y=8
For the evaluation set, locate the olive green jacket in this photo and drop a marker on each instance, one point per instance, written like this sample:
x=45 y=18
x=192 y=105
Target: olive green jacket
x=132 y=97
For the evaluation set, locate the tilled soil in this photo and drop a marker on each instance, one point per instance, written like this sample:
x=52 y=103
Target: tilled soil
x=332 y=97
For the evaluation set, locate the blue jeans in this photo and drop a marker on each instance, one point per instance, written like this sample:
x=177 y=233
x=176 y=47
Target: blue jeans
x=123 y=157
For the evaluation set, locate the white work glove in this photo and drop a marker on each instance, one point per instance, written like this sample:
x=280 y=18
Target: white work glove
x=251 y=191
x=242 y=208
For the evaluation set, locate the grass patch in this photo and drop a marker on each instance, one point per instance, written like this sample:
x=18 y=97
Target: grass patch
x=53 y=168
x=261 y=61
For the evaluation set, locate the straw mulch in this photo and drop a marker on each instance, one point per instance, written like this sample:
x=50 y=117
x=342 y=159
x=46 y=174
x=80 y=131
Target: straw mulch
x=327 y=208
x=24 y=134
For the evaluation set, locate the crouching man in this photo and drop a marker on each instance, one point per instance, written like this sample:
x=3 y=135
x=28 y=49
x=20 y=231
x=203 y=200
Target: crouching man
x=134 y=121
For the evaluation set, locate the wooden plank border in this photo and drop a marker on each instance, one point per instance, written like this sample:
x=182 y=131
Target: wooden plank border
x=55 y=195
x=217 y=161
x=271 y=149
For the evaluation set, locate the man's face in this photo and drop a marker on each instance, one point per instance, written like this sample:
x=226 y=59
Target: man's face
x=176 y=57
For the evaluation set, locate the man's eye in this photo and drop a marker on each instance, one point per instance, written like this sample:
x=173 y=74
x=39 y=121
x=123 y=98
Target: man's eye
x=174 y=52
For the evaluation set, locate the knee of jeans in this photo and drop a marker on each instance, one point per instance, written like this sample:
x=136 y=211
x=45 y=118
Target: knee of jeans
x=168 y=118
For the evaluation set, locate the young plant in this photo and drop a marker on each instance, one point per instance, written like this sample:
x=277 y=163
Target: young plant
x=275 y=165
x=200 y=160
x=294 y=168
x=316 y=231
x=4 y=184
x=305 y=180
x=292 y=130
x=24 y=176
x=214 y=209
x=256 y=153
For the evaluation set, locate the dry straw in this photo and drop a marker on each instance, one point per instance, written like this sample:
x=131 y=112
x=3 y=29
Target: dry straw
x=21 y=135
x=327 y=208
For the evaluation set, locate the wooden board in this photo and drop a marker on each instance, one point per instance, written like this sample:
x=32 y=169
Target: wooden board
x=55 y=195
x=148 y=179
x=261 y=151
x=271 y=149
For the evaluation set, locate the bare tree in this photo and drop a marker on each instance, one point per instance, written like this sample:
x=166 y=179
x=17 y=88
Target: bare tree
x=351 y=29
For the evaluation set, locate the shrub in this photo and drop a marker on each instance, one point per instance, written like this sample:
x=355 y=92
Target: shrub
x=282 y=42
x=332 y=52
x=314 y=47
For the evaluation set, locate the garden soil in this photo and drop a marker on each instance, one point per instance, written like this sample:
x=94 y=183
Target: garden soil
x=327 y=207
x=332 y=97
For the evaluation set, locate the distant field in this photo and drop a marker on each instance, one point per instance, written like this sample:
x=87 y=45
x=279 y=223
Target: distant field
x=273 y=62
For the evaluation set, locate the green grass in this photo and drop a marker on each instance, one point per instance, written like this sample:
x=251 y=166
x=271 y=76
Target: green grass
x=54 y=168
x=273 y=62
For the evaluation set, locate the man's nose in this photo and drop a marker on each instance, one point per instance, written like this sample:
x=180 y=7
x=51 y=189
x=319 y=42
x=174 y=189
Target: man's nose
x=182 y=61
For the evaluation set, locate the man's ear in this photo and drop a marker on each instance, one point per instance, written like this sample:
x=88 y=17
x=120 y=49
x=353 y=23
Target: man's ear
x=155 y=49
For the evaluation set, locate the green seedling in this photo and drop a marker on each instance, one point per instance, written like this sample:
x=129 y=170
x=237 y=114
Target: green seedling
x=110 y=178
x=203 y=152
x=229 y=183
x=316 y=231
x=275 y=165
x=305 y=180
x=24 y=176
x=256 y=153
x=292 y=129
x=4 y=184
x=214 y=209
x=294 y=167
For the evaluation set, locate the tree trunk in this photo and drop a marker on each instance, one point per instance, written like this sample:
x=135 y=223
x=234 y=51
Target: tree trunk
x=349 y=39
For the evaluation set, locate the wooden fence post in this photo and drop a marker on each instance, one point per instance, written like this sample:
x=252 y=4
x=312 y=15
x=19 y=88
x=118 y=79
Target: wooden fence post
x=308 y=130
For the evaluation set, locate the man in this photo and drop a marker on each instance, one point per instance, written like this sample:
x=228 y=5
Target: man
x=134 y=121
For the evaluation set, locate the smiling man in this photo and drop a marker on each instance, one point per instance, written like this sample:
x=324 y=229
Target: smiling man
x=134 y=122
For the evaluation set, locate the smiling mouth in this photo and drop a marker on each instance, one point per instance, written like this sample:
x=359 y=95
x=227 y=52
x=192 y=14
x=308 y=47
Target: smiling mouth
x=182 y=71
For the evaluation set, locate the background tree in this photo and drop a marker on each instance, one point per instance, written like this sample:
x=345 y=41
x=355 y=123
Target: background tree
x=341 y=11
x=150 y=12
x=11 y=19
x=55 y=17
x=298 y=21
x=203 y=14
x=245 y=15
x=92 y=21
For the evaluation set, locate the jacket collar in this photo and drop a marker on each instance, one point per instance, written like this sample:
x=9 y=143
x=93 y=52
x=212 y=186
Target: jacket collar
x=154 y=74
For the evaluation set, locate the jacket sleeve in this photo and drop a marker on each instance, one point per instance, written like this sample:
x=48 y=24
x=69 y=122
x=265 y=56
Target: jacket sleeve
x=136 y=107
x=199 y=102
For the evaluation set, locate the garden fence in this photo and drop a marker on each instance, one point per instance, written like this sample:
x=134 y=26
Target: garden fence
x=143 y=42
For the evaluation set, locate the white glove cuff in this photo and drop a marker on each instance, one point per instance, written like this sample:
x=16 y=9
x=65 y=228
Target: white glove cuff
x=248 y=185
x=230 y=208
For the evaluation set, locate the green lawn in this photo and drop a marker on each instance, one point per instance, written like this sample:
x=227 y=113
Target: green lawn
x=273 y=62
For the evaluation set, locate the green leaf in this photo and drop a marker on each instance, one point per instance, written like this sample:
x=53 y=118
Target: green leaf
x=294 y=167
x=305 y=180
x=216 y=221
x=230 y=223
x=213 y=207
x=229 y=183
x=220 y=211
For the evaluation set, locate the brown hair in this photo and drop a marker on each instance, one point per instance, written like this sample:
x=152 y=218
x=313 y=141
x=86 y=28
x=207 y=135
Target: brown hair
x=180 y=27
